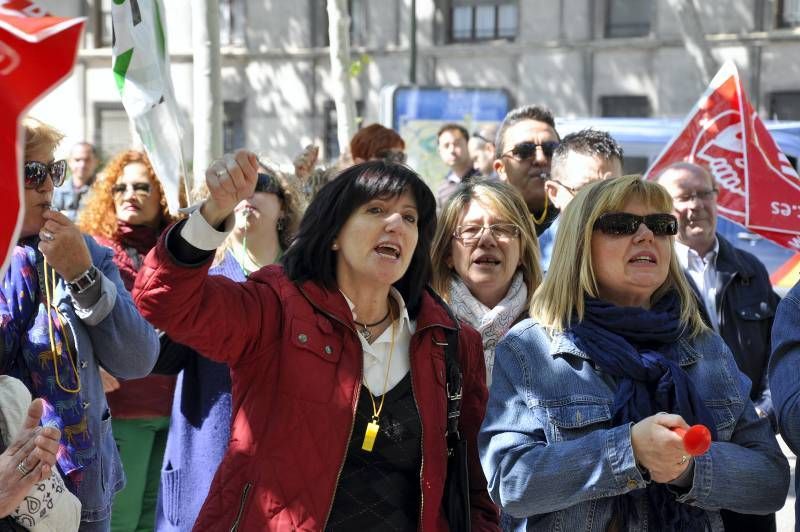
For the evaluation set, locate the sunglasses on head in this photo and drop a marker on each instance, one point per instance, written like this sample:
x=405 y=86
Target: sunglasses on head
x=269 y=184
x=36 y=173
x=526 y=150
x=391 y=156
x=624 y=223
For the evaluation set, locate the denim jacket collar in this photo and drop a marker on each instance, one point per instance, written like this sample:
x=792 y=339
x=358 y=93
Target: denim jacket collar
x=562 y=344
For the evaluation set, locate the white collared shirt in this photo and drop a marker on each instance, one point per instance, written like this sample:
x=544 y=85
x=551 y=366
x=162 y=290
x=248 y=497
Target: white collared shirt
x=703 y=271
x=376 y=354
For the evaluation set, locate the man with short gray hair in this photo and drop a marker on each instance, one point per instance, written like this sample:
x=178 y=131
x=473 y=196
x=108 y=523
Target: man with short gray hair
x=733 y=291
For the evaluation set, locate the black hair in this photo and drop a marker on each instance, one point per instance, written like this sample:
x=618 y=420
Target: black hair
x=310 y=257
x=589 y=142
x=527 y=112
x=452 y=126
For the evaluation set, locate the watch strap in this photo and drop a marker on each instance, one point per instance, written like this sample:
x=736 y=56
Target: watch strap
x=84 y=281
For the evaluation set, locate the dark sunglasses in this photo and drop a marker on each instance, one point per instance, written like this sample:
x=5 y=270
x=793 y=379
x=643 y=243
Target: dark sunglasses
x=624 y=223
x=140 y=190
x=36 y=173
x=269 y=184
x=526 y=150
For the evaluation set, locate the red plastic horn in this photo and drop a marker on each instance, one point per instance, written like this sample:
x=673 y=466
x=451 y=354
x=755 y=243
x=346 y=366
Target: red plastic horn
x=696 y=440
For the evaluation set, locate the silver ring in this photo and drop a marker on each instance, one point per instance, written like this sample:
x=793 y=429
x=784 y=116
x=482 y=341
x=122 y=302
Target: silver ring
x=684 y=459
x=22 y=469
x=221 y=173
x=46 y=235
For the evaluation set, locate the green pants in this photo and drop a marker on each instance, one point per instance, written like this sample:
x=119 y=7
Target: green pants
x=141 y=444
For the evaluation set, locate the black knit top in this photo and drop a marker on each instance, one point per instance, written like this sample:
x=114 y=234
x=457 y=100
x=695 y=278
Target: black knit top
x=380 y=490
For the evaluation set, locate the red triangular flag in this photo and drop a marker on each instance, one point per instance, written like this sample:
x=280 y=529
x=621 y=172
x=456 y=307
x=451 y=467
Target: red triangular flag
x=37 y=51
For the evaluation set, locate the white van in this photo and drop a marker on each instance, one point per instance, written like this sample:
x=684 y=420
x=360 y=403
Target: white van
x=643 y=139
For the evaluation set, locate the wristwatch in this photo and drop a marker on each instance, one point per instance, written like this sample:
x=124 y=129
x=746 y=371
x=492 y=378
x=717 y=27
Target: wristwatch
x=84 y=281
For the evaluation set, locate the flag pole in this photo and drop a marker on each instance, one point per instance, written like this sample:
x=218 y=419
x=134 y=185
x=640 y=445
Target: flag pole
x=207 y=86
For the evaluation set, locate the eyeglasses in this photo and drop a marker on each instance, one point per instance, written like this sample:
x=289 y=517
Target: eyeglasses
x=702 y=195
x=140 y=190
x=526 y=150
x=391 y=156
x=469 y=234
x=571 y=190
x=36 y=173
x=624 y=223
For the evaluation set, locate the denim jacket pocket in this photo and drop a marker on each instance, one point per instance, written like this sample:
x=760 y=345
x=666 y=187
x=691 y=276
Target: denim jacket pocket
x=574 y=417
x=725 y=412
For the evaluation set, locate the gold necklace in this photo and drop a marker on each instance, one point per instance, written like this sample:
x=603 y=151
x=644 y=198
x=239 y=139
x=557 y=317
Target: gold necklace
x=373 y=426
x=544 y=213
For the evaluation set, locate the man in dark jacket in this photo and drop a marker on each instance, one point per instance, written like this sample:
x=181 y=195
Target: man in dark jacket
x=733 y=290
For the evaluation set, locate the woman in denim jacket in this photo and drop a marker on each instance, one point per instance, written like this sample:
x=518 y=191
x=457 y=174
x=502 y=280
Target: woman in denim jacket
x=577 y=431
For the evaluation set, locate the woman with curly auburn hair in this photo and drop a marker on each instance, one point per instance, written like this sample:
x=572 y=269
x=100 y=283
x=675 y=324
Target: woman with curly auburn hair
x=127 y=211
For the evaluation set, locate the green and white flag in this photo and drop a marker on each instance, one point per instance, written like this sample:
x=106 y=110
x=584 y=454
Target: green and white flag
x=140 y=60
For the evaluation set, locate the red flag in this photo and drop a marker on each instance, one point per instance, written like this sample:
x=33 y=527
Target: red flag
x=758 y=187
x=37 y=51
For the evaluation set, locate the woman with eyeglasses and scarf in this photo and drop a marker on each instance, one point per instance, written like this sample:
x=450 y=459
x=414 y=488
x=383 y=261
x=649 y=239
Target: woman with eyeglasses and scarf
x=264 y=226
x=127 y=211
x=64 y=313
x=486 y=260
x=580 y=431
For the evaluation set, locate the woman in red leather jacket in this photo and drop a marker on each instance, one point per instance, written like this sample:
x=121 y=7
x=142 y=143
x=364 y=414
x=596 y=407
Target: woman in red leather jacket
x=336 y=358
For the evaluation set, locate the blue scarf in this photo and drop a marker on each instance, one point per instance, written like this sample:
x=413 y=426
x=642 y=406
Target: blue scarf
x=27 y=355
x=638 y=347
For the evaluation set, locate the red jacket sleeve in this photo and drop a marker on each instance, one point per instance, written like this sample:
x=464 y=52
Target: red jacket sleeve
x=473 y=407
x=218 y=317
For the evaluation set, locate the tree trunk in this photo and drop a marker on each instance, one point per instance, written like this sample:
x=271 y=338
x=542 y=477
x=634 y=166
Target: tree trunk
x=339 y=34
x=694 y=37
x=206 y=77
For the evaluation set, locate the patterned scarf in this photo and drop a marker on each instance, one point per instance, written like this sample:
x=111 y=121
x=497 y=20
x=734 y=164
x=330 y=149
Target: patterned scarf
x=28 y=357
x=637 y=346
x=492 y=323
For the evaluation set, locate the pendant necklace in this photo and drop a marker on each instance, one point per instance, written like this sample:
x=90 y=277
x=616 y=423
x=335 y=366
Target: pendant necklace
x=364 y=327
x=373 y=426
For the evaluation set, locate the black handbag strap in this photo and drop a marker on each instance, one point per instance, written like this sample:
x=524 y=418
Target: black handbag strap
x=454 y=378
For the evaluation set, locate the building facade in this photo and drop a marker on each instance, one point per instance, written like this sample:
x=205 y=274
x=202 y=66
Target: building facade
x=579 y=57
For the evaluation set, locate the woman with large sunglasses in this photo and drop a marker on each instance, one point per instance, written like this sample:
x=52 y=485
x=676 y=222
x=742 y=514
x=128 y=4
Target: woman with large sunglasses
x=127 y=211
x=64 y=313
x=337 y=358
x=486 y=260
x=580 y=432
x=265 y=224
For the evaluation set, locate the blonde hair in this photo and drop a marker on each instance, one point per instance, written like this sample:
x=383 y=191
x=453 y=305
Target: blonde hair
x=507 y=204
x=40 y=136
x=571 y=276
x=99 y=216
x=290 y=202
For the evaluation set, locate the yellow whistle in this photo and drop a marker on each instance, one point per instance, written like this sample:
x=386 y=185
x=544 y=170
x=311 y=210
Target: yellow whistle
x=369 y=436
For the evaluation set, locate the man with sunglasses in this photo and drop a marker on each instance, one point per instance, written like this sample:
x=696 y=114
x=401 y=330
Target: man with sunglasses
x=82 y=162
x=525 y=144
x=581 y=158
x=452 y=141
x=733 y=290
